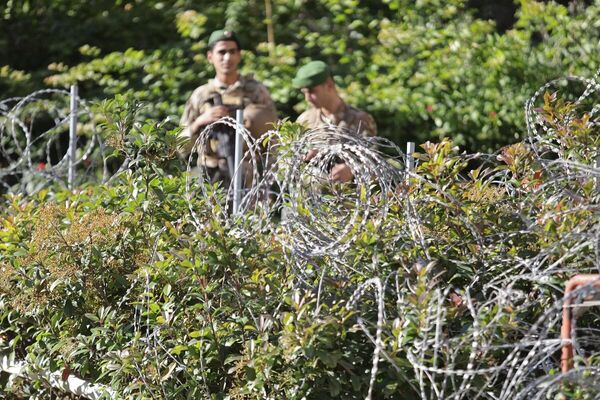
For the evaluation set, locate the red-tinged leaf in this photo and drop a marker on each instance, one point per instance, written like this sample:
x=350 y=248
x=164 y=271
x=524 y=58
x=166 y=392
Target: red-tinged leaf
x=66 y=373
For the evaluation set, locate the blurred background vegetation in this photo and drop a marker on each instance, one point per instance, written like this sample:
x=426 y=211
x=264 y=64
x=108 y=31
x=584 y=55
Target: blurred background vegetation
x=425 y=69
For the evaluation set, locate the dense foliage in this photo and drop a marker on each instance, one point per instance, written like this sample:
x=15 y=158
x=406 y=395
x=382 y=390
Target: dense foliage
x=425 y=69
x=451 y=288
x=122 y=284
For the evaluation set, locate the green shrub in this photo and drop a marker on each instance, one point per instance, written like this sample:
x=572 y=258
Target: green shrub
x=122 y=284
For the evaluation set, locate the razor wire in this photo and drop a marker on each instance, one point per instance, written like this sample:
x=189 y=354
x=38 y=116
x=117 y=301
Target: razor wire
x=34 y=143
x=317 y=220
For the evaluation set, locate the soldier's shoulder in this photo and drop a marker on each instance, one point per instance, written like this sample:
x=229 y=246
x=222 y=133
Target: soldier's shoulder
x=358 y=117
x=251 y=83
x=309 y=113
x=249 y=78
x=203 y=89
x=308 y=117
x=358 y=113
x=202 y=92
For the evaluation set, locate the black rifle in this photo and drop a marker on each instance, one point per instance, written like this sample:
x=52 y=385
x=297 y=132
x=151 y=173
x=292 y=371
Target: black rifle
x=225 y=136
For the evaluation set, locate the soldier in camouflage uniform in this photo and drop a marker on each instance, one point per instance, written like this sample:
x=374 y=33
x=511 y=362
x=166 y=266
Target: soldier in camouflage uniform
x=220 y=97
x=328 y=108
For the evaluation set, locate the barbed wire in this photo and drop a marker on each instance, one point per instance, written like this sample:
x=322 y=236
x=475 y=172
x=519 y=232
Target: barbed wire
x=34 y=142
x=319 y=221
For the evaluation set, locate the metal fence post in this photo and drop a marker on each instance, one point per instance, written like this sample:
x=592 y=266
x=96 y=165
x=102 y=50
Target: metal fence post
x=239 y=170
x=72 y=136
x=597 y=171
x=577 y=281
x=410 y=160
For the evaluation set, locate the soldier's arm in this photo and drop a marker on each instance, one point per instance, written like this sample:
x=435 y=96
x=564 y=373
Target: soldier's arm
x=189 y=115
x=262 y=96
x=265 y=114
x=194 y=121
x=211 y=115
x=342 y=172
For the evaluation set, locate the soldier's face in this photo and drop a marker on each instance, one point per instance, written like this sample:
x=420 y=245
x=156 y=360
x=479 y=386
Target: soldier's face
x=225 y=56
x=317 y=95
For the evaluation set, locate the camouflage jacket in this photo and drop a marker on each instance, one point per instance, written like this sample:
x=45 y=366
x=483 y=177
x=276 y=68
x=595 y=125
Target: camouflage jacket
x=242 y=93
x=348 y=117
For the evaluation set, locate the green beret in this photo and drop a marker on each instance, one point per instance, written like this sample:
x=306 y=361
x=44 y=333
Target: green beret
x=221 y=35
x=312 y=74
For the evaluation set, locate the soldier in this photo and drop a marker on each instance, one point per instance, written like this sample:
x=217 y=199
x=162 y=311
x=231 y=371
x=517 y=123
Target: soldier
x=220 y=97
x=328 y=108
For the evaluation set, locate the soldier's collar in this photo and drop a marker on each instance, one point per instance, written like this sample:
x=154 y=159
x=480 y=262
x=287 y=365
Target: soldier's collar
x=223 y=86
x=338 y=114
x=341 y=110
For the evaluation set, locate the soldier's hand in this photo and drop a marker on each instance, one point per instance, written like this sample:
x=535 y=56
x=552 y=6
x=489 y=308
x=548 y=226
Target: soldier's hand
x=341 y=173
x=209 y=116
x=310 y=155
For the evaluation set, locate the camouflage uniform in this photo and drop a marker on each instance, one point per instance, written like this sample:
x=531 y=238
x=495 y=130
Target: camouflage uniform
x=246 y=91
x=346 y=116
x=351 y=118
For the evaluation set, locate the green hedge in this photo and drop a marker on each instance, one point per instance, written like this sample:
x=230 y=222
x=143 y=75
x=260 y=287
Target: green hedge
x=122 y=284
x=426 y=69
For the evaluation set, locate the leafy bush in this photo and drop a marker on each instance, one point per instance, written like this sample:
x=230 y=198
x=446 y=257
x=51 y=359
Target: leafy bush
x=143 y=286
x=426 y=69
